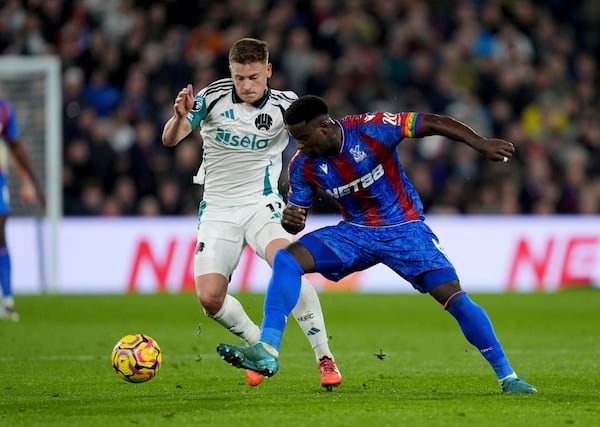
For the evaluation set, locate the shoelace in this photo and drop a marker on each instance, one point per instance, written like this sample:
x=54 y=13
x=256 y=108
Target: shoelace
x=326 y=365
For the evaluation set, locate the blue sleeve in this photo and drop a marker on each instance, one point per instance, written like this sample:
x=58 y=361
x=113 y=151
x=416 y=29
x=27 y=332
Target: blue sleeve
x=301 y=192
x=391 y=128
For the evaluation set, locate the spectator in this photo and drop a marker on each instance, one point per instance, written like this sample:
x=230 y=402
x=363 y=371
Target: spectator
x=516 y=69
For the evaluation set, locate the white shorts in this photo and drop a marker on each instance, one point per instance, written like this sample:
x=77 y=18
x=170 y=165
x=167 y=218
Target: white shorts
x=223 y=232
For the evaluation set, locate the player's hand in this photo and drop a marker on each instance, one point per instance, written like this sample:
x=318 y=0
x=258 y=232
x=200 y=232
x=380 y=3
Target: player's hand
x=32 y=193
x=184 y=101
x=497 y=149
x=28 y=195
x=293 y=219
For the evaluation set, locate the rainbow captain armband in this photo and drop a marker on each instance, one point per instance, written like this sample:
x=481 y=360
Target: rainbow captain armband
x=410 y=122
x=198 y=112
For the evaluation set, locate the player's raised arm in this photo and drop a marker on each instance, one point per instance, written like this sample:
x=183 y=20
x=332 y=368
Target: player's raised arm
x=178 y=126
x=493 y=148
x=293 y=219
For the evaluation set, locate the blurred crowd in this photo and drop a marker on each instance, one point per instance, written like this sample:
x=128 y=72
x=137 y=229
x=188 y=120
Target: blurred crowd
x=523 y=70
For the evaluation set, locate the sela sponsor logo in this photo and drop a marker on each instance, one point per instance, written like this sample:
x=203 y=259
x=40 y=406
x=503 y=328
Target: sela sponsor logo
x=263 y=122
x=249 y=142
x=358 y=184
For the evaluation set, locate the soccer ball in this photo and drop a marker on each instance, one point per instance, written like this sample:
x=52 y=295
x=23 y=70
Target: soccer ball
x=136 y=358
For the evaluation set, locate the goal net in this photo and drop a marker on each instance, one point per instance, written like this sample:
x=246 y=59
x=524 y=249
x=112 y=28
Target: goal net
x=33 y=85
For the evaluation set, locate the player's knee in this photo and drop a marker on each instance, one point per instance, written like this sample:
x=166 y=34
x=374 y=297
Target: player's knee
x=444 y=292
x=211 y=290
x=285 y=261
x=210 y=303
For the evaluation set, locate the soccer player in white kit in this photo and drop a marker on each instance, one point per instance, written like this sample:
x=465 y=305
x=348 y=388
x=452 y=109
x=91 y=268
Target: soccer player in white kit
x=243 y=134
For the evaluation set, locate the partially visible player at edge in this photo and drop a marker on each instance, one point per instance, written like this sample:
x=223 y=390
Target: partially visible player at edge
x=356 y=161
x=243 y=136
x=31 y=191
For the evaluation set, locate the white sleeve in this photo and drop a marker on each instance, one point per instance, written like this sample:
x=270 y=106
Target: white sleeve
x=200 y=175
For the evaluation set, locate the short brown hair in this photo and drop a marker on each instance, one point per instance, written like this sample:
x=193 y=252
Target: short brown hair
x=248 y=50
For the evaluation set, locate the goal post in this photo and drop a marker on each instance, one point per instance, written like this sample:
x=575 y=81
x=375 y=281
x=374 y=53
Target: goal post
x=33 y=85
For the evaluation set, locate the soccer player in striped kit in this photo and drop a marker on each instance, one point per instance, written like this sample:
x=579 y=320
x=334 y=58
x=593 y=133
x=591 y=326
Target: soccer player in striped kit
x=31 y=190
x=355 y=159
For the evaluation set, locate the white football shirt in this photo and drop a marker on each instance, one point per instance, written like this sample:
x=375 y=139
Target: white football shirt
x=243 y=143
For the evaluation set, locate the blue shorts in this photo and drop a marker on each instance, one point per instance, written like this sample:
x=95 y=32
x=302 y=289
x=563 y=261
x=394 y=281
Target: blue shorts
x=412 y=250
x=4 y=203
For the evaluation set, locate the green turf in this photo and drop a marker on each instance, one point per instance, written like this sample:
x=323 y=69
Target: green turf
x=55 y=368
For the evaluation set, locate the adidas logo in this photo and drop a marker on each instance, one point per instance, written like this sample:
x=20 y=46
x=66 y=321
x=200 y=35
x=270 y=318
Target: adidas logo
x=228 y=114
x=313 y=331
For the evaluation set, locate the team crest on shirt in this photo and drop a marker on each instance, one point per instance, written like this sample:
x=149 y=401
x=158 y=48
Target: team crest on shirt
x=357 y=154
x=263 y=122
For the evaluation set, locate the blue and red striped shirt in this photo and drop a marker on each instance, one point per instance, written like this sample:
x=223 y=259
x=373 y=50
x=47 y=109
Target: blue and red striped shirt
x=9 y=129
x=366 y=178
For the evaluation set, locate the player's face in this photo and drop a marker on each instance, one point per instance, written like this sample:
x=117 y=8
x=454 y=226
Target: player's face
x=250 y=80
x=315 y=138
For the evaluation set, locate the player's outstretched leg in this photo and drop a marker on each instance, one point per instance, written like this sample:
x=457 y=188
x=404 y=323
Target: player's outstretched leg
x=478 y=329
x=260 y=357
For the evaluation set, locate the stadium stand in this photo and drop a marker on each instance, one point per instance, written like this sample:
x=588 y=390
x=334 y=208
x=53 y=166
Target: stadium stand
x=523 y=70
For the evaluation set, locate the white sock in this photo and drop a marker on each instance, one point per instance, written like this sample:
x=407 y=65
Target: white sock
x=513 y=375
x=233 y=317
x=270 y=349
x=309 y=316
x=8 y=302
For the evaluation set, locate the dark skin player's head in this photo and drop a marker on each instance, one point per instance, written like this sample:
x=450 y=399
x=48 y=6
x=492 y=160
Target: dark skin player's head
x=308 y=122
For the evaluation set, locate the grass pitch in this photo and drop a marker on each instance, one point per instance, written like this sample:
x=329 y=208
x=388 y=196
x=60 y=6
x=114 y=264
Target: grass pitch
x=404 y=362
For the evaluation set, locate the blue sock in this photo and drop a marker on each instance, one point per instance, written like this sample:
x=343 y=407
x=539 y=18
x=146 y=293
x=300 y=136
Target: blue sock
x=5 y=272
x=282 y=296
x=478 y=330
